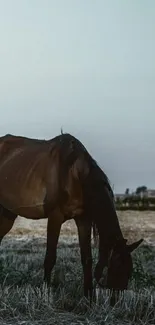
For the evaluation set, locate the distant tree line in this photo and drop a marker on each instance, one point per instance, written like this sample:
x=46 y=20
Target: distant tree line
x=138 y=200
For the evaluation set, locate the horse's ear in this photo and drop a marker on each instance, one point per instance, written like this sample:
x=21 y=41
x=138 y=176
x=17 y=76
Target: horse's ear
x=133 y=246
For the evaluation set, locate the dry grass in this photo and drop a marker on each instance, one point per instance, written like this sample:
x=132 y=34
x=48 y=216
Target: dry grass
x=25 y=300
x=134 y=225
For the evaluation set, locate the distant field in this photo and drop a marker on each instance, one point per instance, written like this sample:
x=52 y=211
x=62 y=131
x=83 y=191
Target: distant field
x=24 y=300
x=134 y=224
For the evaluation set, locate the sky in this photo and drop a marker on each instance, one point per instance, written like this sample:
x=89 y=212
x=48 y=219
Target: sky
x=86 y=66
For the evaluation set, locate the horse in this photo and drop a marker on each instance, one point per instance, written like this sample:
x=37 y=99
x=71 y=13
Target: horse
x=59 y=180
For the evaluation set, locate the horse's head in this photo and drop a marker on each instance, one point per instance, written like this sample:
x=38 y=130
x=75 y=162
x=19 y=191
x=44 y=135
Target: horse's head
x=119 y=267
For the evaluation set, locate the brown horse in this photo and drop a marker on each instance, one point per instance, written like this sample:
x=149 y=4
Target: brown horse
x=59 y=180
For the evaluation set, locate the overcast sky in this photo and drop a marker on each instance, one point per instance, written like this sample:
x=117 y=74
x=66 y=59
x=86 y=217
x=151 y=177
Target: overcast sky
x=88 y=66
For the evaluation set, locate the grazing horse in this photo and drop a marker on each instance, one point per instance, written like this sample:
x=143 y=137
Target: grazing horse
x=59 y=180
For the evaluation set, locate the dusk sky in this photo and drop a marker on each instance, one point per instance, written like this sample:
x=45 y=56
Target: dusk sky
x=89 y=67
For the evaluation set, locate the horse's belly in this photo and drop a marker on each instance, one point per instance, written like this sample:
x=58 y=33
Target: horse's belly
x=28 y=202
x=31 y=213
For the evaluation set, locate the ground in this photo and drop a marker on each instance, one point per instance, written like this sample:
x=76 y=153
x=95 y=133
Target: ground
x=24 y=299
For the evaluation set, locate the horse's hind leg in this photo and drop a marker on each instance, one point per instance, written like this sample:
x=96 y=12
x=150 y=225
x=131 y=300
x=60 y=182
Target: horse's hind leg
x=7 y=219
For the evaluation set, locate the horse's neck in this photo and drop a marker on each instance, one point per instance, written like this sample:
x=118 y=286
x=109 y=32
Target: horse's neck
x=109 y=230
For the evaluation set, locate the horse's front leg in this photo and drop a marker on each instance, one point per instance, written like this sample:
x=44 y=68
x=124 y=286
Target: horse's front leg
x=53 y=230
x=84 y=233
x=7 y=219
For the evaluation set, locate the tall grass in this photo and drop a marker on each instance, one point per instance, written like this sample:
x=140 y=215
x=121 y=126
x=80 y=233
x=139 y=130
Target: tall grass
x=24 y=299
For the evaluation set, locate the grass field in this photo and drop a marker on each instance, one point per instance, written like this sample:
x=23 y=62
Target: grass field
x=24 y=299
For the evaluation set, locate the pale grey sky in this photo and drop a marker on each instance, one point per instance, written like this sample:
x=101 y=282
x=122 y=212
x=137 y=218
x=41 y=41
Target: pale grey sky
x=88 y=66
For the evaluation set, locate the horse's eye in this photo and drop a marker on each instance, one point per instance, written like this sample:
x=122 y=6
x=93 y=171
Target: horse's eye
x=116 y=261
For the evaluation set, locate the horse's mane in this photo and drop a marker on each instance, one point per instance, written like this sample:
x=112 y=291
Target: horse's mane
x=71 y=149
